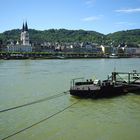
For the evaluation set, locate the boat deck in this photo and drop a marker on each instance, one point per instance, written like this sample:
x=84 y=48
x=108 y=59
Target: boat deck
x=86 y=87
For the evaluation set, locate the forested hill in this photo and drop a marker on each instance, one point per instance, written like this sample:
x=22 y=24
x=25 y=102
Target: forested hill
x=128 y=36
x=63 y=35
x=54 y=35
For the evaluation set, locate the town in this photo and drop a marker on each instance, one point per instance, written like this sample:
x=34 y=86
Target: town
x=25 y=49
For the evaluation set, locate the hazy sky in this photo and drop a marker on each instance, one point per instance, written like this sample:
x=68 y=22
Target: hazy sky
x=105 y=16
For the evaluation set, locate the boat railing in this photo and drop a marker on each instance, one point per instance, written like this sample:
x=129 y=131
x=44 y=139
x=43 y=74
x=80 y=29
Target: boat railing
x=118 y=78
x=76 y=80
x=125 y=77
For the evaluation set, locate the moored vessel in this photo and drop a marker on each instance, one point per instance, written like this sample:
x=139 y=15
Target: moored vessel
x=119 y=83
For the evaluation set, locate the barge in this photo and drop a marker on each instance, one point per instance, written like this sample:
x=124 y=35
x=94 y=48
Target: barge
x=119 y=83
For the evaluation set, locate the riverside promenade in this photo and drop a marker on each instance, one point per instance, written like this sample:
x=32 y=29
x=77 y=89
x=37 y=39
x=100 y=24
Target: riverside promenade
x=57 y=55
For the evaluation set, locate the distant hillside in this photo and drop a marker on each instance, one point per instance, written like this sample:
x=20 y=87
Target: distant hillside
x=128 y=36
x=63 y=35
x=54 y=35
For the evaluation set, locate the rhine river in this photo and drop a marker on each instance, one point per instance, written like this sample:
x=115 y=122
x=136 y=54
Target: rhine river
x=24 y=81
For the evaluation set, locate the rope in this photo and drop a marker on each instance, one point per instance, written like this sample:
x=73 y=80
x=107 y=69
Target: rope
x=35 y=102
x=24 y=129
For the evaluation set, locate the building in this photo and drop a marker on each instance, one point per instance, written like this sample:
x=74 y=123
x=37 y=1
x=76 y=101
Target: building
x=132 y=51
x=107 y=49
x=24 y=38
x=25 y=45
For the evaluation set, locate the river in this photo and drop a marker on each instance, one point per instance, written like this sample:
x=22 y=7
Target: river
x=24 y=81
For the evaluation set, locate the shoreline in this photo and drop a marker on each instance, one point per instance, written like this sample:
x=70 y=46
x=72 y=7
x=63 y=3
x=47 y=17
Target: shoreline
x=60 y=55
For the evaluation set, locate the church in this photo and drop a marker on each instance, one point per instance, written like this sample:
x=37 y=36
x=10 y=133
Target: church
x=24 y=45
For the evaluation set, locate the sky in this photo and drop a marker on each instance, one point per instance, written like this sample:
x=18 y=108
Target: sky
x=104 y=16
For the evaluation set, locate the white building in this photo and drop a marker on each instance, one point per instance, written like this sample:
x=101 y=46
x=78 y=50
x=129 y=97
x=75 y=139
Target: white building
x=19 y=48
x=25 y=35
x=25 y=42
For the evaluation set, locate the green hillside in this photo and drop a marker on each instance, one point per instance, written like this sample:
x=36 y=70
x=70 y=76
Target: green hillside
x=128 y=36
x=63 y=35
x=54 y=35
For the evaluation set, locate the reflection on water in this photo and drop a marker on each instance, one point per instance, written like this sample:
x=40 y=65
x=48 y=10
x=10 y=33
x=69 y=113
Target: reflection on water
x=30 y=80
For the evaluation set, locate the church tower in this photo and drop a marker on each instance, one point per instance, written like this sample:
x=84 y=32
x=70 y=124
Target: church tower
x=25 y=34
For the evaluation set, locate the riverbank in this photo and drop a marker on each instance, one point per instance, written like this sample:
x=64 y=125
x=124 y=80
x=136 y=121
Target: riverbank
x=59 y=55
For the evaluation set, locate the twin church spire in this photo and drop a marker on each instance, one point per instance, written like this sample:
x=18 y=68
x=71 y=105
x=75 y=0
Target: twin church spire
x=25 y=34
x=25 y=27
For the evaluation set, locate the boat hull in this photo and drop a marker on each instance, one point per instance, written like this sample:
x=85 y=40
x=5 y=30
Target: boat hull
x=104 y=92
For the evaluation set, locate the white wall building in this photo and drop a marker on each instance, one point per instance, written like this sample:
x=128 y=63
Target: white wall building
x=25 y=42
x=25 y=35
x=19 y=48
